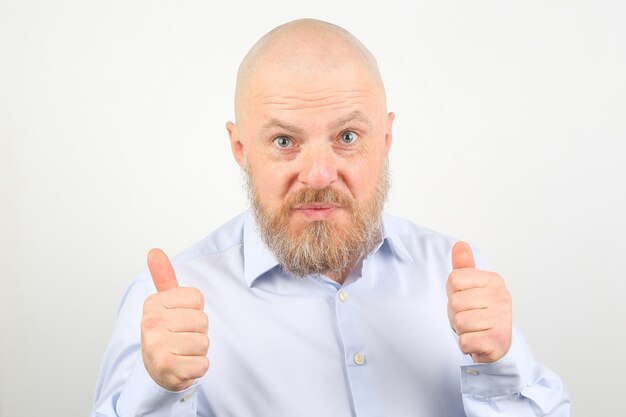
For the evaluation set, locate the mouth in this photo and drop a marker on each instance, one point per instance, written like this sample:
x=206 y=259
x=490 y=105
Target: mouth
x=316 y=211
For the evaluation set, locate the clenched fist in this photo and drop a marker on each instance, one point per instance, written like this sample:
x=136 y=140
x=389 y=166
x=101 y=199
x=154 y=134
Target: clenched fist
x=479 y=308
x=174 y=341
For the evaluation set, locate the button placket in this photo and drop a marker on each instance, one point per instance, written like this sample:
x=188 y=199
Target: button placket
x=356 y=360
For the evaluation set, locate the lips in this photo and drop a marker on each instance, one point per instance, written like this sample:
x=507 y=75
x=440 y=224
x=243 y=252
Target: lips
x=316 y=206
x=317 y=211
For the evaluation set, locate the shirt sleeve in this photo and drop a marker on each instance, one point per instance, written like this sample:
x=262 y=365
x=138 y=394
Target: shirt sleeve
x=514 y=385
x=142 y=396
x=124 y=387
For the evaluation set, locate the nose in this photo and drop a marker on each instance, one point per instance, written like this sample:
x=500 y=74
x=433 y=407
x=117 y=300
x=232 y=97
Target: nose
x=319 y=168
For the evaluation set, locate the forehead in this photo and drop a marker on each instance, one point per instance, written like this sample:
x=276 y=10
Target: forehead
x=316 y=93
x=308 y=68
x=338 y=120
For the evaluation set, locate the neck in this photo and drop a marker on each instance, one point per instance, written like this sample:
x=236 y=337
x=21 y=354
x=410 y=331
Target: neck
x=340 y=277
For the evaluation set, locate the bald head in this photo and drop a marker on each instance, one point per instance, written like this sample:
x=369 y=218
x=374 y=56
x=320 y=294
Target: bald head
x=308 y=49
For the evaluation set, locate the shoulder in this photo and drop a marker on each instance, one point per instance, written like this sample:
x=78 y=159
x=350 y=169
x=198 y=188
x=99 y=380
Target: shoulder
x=226 y=237
x=219 y=247
x=407 y=232
x=418 y=241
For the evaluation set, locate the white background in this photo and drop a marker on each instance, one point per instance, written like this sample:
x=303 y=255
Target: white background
x=509 y=133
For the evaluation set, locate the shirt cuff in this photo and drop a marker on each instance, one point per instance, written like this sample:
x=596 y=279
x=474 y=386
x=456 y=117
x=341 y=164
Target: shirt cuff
x=142 y=396
x=508 y=375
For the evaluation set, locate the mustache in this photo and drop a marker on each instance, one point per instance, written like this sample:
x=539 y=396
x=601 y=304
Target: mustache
x=324 y=195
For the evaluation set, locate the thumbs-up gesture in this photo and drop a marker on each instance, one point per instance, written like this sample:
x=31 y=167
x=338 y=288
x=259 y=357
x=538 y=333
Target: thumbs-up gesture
x=174 y=341
x=479 y=308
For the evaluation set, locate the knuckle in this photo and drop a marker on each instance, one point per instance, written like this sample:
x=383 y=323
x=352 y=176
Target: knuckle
x=203 y=344
x=457 y=323
x=507 y=298
x=453 y=302
x=203 y=366
x=154 y=346
x=195 y=368
x=464 y=343
x=453 y=280
x=164 y=364
x=175 y=383
x=502 y=336
x=196 y=298
x=496 y=279
x=149 y=322
x=494 y=335
x=503 y=302
x=149 y=303
x=204 y=322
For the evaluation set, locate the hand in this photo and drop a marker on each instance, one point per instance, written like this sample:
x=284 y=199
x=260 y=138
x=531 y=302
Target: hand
x=479 y=308
x=174 y=341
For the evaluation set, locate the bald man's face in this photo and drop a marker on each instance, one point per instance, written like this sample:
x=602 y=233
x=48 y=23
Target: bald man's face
x=314 y=144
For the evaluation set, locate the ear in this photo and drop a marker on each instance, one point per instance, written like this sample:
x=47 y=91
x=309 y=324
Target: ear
x=236 y=145
x=388 y=135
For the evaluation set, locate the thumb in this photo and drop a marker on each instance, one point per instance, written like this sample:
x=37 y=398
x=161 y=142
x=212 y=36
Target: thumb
x=462 y=256
x=161 y=270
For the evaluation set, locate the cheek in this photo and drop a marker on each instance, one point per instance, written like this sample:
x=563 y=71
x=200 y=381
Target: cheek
x=361 y=178
x=272 y=182
x=355 y=177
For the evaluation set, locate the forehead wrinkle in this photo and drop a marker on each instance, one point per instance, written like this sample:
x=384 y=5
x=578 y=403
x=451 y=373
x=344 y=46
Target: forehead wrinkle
x=315 y=95
x=276 y=122
x=295 y=106
x=355 y=116
x=310 y=104
x=345 y=94
x=297 y=102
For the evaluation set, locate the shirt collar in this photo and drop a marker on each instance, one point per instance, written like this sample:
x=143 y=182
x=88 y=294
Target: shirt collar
x=259 y=259
x=392 y=231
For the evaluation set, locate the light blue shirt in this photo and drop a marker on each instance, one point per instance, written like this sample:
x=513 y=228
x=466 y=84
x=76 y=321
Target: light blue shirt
x=378 y=345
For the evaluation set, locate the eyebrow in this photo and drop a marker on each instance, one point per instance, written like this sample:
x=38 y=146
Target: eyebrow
x=355 y=116
x=272 y=123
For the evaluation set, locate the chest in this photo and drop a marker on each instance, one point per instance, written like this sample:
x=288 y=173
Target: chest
x=360 y=350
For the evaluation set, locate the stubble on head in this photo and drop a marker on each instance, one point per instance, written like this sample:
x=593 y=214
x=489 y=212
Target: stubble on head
x=301 y=45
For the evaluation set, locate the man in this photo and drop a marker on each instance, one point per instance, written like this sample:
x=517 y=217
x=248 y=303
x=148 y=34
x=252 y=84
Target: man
x=318 y=304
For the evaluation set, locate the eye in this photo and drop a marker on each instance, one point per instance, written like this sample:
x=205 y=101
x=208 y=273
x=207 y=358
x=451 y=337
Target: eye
x=282 y=142
x=348 y=137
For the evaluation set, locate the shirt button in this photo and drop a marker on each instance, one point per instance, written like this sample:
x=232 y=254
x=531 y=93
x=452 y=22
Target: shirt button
x=359 y=359
x=471 y=371
x=343 y=296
